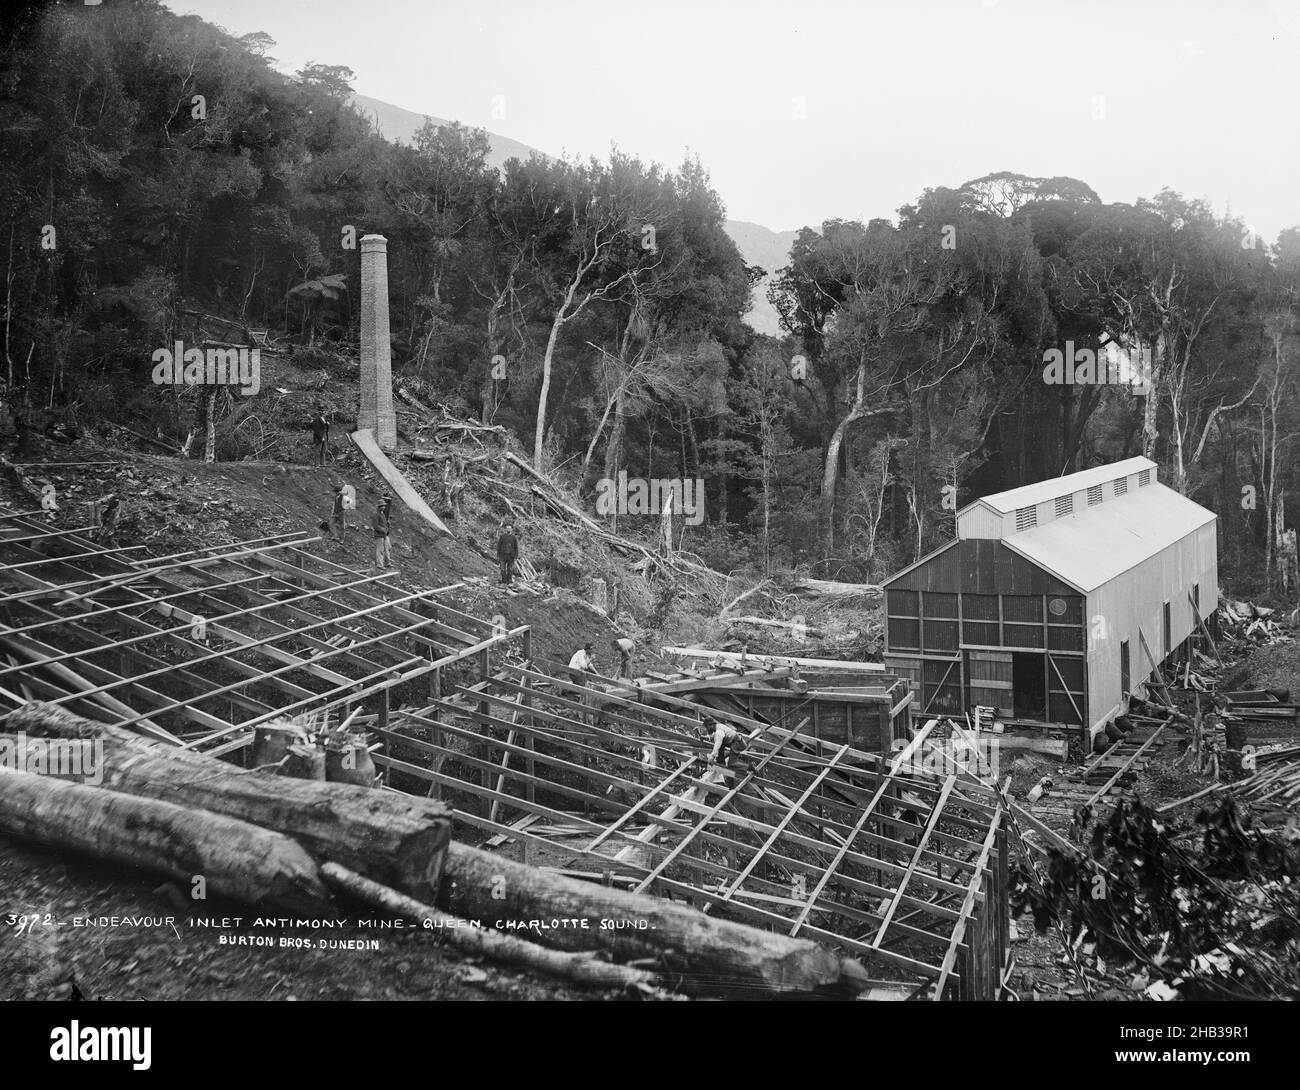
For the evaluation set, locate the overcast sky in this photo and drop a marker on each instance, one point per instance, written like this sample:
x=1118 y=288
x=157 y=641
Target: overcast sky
x=811 y=109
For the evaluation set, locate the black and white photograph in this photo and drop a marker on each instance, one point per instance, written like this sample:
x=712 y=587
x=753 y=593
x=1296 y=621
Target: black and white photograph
x=649 y=503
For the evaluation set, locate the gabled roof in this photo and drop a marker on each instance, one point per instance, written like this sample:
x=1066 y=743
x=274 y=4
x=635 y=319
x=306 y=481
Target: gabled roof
x=1030 y=494
x=924 y=560
x=1091 y=548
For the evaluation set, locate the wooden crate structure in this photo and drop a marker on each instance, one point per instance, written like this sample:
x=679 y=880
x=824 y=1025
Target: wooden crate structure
x=903 y=868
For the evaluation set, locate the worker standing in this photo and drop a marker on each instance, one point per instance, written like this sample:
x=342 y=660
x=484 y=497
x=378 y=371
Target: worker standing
x=107 y=530
x=507 y=551
x=337 y=522
x=381 y=527
x=625 y=649
x=580 y=663
x=320 y=437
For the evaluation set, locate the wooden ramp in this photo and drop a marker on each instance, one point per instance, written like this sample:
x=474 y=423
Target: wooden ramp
x=365 y=441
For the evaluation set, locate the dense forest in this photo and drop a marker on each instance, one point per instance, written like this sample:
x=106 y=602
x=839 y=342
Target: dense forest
x=153 y=168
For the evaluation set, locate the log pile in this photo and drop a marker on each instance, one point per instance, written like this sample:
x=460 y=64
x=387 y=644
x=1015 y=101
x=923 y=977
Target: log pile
x=1198 y=674
x=1247 y=623
x=235 y=858
x=547 y=492
x=1271 y=788
x=1275 y=783
x=262 y=838
x=396 y=839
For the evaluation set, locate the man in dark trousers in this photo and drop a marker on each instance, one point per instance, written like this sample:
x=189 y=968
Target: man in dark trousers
x=337 y=523
x=507 y=551
x=381 y=527
x=320 y=437
x=625 y=649
x=728 y=743
x=107 y=530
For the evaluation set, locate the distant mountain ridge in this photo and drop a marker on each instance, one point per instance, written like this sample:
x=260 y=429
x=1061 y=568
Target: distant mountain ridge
x=758 y=245
x=770 y=250
x=400 y=126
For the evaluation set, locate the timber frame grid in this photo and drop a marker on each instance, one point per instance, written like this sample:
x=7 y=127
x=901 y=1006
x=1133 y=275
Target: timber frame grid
x=198 y=648
x=903 y=868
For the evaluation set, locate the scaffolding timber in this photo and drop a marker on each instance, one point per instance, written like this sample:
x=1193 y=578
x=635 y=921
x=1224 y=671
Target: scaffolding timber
x=822 y=831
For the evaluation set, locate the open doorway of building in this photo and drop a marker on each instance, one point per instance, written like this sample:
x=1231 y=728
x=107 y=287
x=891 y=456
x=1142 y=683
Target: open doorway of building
x=1028 y=686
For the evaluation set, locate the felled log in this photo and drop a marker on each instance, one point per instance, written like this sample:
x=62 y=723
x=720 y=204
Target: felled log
x=814 y=633
x=168 y=447
x=411 y=399
x=625 y=545
x=830 y=588
x=810 y=665
x=396 y=839
x=709 y=955
x=580 y=968
x=495 y=430
x=761 y=585
x=236 y=859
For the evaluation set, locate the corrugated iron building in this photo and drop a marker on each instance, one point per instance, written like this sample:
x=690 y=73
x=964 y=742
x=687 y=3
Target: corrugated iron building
x=1055 y=598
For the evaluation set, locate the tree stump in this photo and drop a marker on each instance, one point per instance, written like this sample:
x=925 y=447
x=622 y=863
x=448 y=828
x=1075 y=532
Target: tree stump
x=305 y=763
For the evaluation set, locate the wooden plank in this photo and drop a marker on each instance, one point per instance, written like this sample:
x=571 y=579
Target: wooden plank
x=1124 y=767
x=911 y=748
x=1204 y=631
x=346 y=694
x=99 y=643
x=639 y=805
x=968 y=906
x=922 y=840
x=365 y=442
x=776 y=833
x=169 y=611
x=735 y=681
x=293 y=573
x=505 y=758
x=84 y=689
x=1155 y=671
x=247 y=643
x=844 y=848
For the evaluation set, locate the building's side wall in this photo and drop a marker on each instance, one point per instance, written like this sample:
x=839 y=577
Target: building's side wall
x=1134 y=602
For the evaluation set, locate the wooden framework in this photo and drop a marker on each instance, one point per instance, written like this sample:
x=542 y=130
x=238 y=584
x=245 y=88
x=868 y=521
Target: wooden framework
x=814 y=836
x=197 y=648
x=869 y=716
x=951 y=643
x=900 y=868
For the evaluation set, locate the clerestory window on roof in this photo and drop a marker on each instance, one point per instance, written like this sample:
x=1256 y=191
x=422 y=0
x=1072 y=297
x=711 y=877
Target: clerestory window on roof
x=1144 y=478
x=1064 y=506
x=1026 y=518
x=1094 y=495
x=1121 y=486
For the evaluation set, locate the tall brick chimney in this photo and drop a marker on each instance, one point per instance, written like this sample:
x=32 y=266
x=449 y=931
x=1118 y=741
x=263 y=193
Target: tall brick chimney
x=376 y=359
